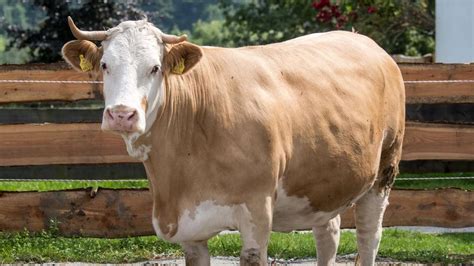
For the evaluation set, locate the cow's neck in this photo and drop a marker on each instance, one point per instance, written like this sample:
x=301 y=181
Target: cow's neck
x=195 y=106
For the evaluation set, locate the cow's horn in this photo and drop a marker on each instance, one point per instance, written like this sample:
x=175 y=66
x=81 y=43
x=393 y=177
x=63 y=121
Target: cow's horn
x=85 y=35
x=169 y=38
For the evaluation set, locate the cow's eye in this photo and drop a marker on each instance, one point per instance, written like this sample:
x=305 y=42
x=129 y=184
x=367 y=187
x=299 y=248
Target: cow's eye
x=155 y=69
x=103 y=66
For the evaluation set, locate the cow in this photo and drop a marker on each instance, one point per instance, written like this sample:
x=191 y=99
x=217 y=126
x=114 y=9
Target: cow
x=276 y=137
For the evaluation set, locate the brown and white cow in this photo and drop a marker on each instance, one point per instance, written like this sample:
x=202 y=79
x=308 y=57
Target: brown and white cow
x=277 y=137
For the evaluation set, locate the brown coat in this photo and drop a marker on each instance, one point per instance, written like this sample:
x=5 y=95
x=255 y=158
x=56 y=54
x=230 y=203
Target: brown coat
x=309 y=114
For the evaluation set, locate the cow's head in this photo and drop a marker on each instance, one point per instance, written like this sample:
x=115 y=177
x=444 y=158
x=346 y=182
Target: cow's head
x=134 y=58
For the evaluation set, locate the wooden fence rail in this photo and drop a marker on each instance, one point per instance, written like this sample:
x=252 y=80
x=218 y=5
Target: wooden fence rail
x=120 y=213
x=47 y=144
x=416 y=93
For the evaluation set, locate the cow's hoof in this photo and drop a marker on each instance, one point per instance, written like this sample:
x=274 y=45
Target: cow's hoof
x=250 y=257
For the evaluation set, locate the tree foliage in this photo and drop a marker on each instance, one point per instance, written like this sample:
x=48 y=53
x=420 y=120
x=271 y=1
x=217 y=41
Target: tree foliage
x=13 y=12
x=35 y=30
x=399 y=26
x=211 y=33
x=261 y=22
x=45 y=43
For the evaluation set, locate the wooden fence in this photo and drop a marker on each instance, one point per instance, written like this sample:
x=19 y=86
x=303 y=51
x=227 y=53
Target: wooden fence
x=120 y=213
x=126 y=212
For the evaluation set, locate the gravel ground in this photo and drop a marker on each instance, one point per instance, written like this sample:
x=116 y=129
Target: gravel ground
x=436 y=230
x=226 y=261
x=341 y=261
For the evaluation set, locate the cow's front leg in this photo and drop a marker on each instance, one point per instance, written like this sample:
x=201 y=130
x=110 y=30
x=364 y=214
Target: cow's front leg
x=327 y=240
x=255 y=227
x=196 y=253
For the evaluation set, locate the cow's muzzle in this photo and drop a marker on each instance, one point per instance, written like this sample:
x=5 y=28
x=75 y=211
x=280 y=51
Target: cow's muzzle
x=121 y=119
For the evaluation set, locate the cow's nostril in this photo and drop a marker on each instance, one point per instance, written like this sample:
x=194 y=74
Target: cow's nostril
x=109 y=114
x=132 y=115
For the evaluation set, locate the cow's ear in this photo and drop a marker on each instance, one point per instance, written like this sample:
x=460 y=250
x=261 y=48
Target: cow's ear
x=82 y=55
x=182 y=57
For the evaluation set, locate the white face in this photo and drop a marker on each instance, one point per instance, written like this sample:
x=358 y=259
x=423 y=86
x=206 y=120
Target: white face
x=131 y=66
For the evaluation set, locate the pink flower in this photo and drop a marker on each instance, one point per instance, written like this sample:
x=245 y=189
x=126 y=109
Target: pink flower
x=371 y=9
x=323 y=16
x=320 y=4
x=335 y=11
x=342 y=19
x=353 y=16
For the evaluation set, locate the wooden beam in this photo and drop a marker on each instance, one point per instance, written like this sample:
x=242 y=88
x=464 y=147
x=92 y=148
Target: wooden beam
x=438 y=142
x=121 y=213
x=40 y=144
x=27 y=92
x=416 y=93
x=44 y=144
x=437 y=71
x=111 y=213
x=450 y=208
x=438 y=92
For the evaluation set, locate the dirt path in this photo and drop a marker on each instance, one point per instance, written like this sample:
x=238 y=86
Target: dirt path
x=341 y=261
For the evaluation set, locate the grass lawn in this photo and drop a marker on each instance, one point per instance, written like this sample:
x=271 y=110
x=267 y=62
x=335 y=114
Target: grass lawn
x=396 y=244
x=467 y=184
x=61 y=185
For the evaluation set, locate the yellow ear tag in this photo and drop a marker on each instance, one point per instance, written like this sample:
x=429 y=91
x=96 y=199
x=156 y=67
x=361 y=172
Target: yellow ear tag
x=179 y=68
x=84 y=64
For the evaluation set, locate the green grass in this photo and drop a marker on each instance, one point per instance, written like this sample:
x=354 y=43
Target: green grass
x=59 y=185
x=396 y=244
x=467 y=184
x=62 y=185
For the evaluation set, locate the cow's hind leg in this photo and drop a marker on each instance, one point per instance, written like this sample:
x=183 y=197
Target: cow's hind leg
x=196 y=253
x=368 y=218
x=327 y=240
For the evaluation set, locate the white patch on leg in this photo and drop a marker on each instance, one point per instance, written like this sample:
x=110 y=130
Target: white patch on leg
x=369 y=216
x=246 y=228
x=327 y=240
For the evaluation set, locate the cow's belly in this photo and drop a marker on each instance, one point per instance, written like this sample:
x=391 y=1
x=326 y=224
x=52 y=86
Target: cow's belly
x=295 y=213
x=209 y=218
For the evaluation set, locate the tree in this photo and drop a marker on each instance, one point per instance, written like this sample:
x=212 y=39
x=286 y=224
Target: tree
x=261 y=22
x=211 y=33
x=45 y=43
x=399 y=26
x=13 y=12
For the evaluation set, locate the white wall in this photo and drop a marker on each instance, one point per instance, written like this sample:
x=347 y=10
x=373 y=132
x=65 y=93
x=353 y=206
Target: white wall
x=454 y=31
